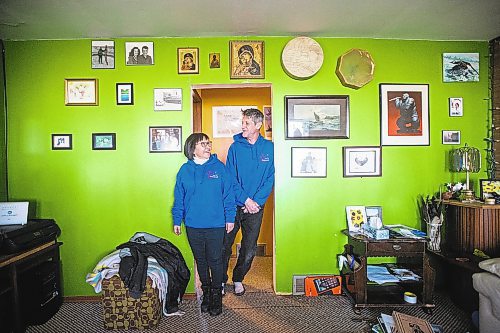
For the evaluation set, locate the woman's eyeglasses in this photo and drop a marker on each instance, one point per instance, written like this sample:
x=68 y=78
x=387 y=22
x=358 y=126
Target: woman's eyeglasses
x=205 y=144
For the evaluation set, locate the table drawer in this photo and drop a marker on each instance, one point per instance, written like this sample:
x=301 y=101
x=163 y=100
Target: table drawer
x=393 y=248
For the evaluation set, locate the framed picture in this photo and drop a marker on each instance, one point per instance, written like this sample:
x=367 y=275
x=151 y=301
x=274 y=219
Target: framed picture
x=103 y=141
x=362 y=161
x=227 y=120
x=187 y=60
x=490 y=188
x=460 y=67
x=81 y=92
x=124 y=93
x=214 y=60
x=103 y=54
x=309 y=162
x=374 y=216
x=456 y=106
x=165 y=139
x=267 y=110
x=168 y=99
x=62 y=141
x=246 y=59
x=404 y=114
x=317 y=117
x=451 y=137
x=356 y=217
x=139 y=53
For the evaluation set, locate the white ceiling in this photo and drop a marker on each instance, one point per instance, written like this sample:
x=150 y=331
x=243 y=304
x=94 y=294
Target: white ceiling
x=399 y=19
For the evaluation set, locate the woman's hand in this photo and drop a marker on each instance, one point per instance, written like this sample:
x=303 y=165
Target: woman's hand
x=229 y=227
x=177 y=230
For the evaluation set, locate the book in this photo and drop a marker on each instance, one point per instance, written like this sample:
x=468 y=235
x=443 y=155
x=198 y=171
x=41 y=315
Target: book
x=410 y=324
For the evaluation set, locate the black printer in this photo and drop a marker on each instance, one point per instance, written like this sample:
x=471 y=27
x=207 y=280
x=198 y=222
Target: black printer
x=17 y=238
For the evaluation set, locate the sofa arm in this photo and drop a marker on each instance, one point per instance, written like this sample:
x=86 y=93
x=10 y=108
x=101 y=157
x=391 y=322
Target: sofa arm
x=488 y=285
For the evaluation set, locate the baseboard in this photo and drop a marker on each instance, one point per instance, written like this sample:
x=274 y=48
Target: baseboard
x=97 y=298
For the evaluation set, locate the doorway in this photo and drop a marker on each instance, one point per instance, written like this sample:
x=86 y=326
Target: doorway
x=209 y=104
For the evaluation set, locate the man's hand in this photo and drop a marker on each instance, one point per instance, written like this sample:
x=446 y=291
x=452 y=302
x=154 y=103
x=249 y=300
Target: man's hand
x=229 y=227
x=251 y=206
x=177 y=230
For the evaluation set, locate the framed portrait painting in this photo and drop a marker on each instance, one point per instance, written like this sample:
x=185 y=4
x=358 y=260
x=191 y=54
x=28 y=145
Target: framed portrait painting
x=246 y=59
x=187 y=60
x=124 y=93
x=139 y=53
x=317 y=117
x=404 y=114
x=167 y=99
x=362 y=161
x=456 y=106
x=103 y=141
x=62 y=141
x=103 y=54
x=81 y=92
x=309 y=162
x=214 y=60
x=451 y=137
x=460 y=67
x=165 y=139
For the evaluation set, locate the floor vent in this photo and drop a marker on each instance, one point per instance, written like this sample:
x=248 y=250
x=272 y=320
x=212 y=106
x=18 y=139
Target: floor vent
x=261 y=249
x=299 y=287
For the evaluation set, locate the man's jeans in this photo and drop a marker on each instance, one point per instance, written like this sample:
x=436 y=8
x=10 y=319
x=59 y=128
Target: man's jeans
x=250 y=229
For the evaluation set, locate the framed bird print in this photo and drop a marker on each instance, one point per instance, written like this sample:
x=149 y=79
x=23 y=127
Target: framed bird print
x=362 y=161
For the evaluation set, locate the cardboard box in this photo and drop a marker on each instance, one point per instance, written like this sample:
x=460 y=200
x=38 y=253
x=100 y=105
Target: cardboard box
x=378 y=234
x=323 y=284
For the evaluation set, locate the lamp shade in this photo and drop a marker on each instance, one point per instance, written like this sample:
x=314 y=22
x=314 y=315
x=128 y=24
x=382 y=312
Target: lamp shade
x=465 y=159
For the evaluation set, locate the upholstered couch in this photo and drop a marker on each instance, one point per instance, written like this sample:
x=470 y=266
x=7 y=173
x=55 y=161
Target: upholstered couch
x=487 y=284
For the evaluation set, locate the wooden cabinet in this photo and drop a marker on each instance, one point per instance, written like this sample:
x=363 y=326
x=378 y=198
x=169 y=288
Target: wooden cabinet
x=410 y=253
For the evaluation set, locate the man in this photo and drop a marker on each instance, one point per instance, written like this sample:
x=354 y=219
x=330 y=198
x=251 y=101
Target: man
x=408 y=114
x=144 y=58
x=250 y=160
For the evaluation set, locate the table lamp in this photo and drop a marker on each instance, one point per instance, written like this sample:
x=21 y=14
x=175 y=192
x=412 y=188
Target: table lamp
x=466 y=159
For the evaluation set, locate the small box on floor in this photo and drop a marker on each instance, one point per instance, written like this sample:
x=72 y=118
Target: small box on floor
x=323 y=284
x=121 y=311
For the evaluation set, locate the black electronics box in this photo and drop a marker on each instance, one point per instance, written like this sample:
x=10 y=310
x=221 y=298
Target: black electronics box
x=17 y=238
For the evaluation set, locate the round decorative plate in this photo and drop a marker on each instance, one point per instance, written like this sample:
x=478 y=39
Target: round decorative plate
x=302 y=57
x=355 y=68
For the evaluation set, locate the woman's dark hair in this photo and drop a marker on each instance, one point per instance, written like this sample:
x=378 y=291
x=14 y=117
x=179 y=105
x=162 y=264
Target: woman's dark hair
x=190 y=143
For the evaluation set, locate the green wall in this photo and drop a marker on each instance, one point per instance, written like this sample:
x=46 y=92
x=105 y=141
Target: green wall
x=100 y=198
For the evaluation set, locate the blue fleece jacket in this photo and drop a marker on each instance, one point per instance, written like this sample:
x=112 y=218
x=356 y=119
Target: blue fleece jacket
x=252 y=168
x=203 y=195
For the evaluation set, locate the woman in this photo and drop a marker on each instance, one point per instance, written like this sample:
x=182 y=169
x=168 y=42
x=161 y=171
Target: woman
x=133 y=56
x=204 y=200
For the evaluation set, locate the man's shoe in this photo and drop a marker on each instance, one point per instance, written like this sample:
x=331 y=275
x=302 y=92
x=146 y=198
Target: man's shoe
x=239 y=289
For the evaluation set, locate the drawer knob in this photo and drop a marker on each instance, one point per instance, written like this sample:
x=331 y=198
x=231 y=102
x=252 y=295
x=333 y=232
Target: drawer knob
x=396 y=247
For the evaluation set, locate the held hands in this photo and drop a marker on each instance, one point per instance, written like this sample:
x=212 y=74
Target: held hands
x=229 y=227
x=177 y=230
x=251 y=207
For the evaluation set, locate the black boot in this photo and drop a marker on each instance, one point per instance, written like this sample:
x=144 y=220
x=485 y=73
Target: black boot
x=215 y=301
x=205 y=300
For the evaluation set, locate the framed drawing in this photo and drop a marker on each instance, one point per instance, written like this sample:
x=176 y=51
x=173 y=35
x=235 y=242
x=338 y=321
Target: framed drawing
x=456 y=106
x=356 y=217
x=317 y=117
x=103 y=54
x=460 y=67
x=62 y=141
x=81 y=92
x=168 y=99
x=490 y=188
x=139 y=53
x=451 y=137
x=308 y=162
x=362 y=161
x=246 y=59
x=227 y=120
x=124 y=93
x=187 y=60
x=404 y=114
x=165 y=139
x=267 y=110
x=103 y=141
x=214 y=60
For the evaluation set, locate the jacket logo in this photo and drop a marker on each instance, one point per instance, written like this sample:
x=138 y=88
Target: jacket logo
x=264 y=157
x=212 y=174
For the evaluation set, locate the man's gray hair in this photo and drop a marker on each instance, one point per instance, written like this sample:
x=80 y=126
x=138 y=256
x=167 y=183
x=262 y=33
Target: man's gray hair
x=254 y=114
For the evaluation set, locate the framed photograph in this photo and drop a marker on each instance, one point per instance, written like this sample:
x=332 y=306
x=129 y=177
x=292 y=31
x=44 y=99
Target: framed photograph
x=362 y=161
x=267 y=110
x=317 y=117
x=374 y=216
x=168 y=99
x=246 y=59
x=103 y=141
x=187 y=60
x=139 y=53
x=103 y=54
x=451 y=137
x=490 y=188
x=356 y=217
x=456 y=106
x=227 y=120
x=62 y=141
x=165 y=139
x=81 y=92
x=214 y=60
x=404 y=114
x=309 y=162
x=124 y=93
x=460 y=67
